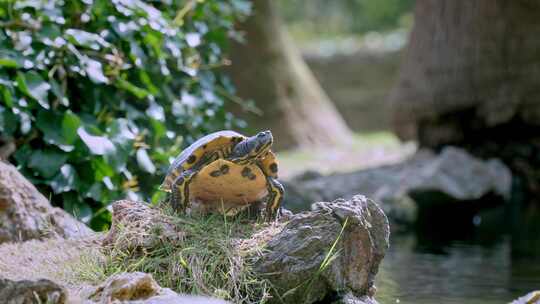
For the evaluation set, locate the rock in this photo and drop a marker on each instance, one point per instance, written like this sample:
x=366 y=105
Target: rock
x=26 y=214
x=530 y=298
x=294 y=259
x=141 y=288
x=349 y=238
x=126 y=286
x=144 y=226
x=449 y=177
x=349 y=298
x=28 y=292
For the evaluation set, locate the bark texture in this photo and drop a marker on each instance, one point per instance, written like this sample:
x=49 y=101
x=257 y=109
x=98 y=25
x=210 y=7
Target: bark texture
x=471 y=78
x=269 y=70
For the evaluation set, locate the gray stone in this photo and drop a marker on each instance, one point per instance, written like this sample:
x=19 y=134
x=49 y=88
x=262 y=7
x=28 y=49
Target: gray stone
x=349 y=298
x=126 y=286
x=26 y=214
x=453 y=173
x=29 y=292
x=141 y=288
x=294 y=250
x=295 y=259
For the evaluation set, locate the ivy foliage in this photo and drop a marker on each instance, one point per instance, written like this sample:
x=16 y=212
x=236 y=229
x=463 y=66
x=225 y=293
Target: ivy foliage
x=99 y=95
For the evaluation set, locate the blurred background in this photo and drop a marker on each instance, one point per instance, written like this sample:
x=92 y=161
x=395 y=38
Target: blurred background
x=430 y=107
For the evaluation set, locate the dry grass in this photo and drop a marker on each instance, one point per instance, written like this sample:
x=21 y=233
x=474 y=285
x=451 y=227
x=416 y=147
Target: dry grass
x=214 y=258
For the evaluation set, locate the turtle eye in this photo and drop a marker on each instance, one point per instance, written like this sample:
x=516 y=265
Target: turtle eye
x=260 y=135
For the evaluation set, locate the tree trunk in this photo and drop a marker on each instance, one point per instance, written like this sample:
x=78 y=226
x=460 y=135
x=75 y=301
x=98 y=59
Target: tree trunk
x=471 y=78
x=269 y=70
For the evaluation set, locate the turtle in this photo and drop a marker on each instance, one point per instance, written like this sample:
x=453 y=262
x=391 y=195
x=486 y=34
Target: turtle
x=225 y=171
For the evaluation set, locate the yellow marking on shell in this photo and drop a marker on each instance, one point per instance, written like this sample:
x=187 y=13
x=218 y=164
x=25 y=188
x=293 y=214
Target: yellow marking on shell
x=232 y=189
x=267 y=165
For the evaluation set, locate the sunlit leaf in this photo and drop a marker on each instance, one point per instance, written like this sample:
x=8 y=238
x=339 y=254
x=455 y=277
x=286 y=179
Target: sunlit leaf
x=94 y=70
x=98 y=145
x=133 y=89
x=145 y=162
x=34 y=86
x=86 y=39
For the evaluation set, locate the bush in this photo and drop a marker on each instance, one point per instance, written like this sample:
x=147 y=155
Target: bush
x=99 y=96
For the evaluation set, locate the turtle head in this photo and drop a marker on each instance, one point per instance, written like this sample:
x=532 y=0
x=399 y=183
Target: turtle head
x=253 y=147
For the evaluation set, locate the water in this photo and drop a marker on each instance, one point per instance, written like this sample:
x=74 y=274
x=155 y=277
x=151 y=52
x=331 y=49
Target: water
x=494 y=263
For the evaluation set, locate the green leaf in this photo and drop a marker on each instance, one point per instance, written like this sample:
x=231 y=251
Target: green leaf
x=52 y=126
x=8 y=121
x=32 y=85
x=8 y=63
x=86 y=39
x=70 y=125
x=98 y=145
x=22 y=155
x=65 y=180
x=47 y=162
x=95 y=192
x=7 y=96
x=94 y=70
x=145 y=162
x=119 y=159
x=133 y=89
x=58 y=92
x=10 y=59
x=101 y=169
x=121 y=133
x=158 y=129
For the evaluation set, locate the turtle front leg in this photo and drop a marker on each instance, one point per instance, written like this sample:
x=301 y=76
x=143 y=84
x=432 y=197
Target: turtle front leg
x=180 y=190
x=275 y=190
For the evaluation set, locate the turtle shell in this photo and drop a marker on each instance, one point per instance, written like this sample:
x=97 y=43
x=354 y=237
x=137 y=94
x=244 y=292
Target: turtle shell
x=192 y=154
x=224 y=185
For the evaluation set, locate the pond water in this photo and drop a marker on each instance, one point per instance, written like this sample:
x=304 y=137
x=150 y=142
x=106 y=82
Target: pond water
x=492 y=263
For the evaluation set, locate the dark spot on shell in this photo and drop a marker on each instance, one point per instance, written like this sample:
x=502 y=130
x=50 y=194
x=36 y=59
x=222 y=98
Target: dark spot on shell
x=179 y=180
x=237 y=139
x=273 y=167
x=204 y=146
x=252 y=177
x=246 y=172
x=240 y=195
x=191 y=159
x=215 y=173
x=224 y=169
